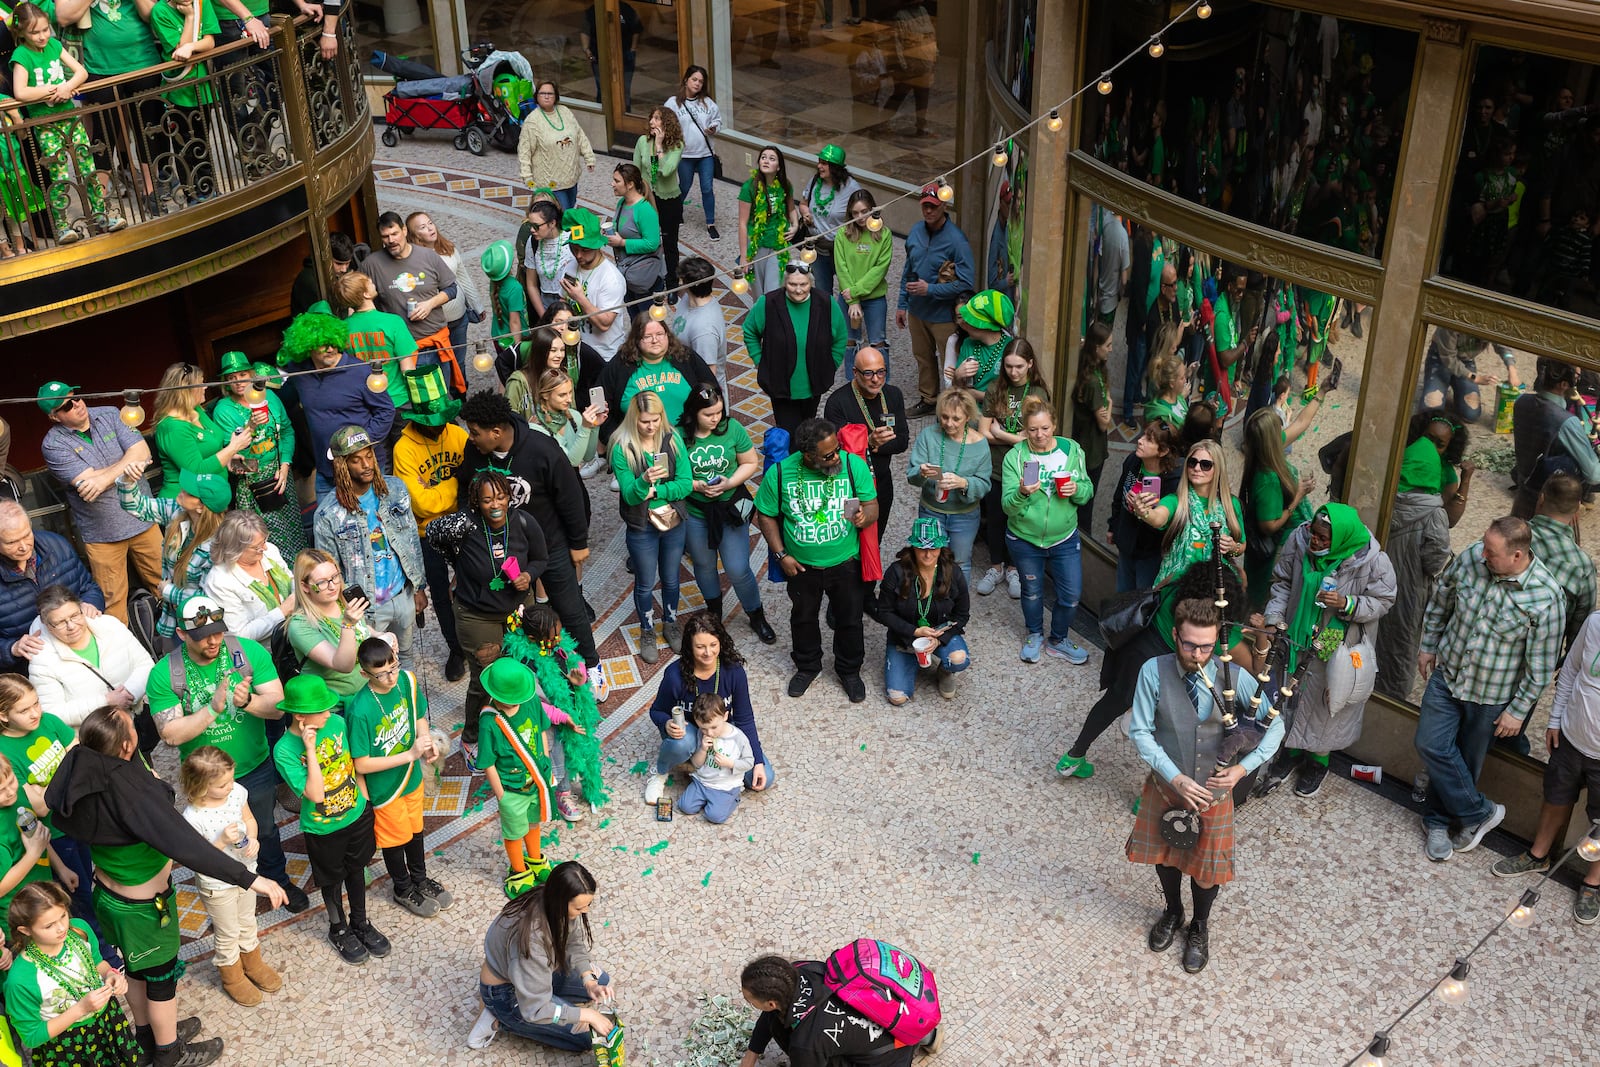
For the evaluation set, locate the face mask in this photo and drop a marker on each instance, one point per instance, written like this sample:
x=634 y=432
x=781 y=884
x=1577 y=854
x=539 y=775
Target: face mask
x=1317 y=551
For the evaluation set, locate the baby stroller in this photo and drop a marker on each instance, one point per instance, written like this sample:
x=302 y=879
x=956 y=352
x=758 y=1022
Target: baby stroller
x=424 y=99
x=504 y=82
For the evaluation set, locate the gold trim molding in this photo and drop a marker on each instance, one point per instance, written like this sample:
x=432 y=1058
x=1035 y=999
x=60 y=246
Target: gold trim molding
x=341 y=168
x=1445 y=31
x=1317 y=266
x=1517 y=323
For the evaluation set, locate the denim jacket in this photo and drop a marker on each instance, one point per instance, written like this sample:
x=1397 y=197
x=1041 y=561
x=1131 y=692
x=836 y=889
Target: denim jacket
x=343 y=534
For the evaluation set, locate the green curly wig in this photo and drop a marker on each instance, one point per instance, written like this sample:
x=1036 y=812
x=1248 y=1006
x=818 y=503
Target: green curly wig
x=309 y=332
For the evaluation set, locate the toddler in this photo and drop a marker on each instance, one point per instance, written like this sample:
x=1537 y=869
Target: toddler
x=59 y=992
x=389 y=742
x=45 y=76
x=719 y=764
x=219 y=810
x=553 y=657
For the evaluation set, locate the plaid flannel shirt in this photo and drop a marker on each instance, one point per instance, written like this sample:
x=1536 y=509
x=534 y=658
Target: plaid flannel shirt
x=1570 y=566
x=174 y=591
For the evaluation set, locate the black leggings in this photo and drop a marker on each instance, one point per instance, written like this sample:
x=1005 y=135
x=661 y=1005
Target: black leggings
x=994 y=520
x=1106 y=711
x=670 y=210
x=355 y=887
x=407 y=864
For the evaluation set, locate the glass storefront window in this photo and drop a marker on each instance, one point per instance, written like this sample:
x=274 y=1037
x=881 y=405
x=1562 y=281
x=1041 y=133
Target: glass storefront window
x=554 y=35
x=1284 y=118
x=399 y=27
x=1525 y=200
x=1014 y=47
x=876 y=77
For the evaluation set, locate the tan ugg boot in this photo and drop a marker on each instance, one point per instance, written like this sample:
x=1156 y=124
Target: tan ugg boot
x=260 y=974
x=237 y=986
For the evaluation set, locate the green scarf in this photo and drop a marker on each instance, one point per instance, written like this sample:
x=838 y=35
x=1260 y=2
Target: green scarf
x=1421 y=468
x=582 y=750
x=1349 y=537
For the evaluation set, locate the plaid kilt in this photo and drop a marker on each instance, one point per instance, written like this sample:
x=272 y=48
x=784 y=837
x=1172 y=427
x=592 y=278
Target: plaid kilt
x=1210 y=862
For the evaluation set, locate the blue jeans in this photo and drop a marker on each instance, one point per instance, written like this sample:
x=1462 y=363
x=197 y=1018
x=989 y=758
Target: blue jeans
x=398 y=616
x=734 y=549
x=261 y=790
x=1437 y=382
x=822 y=276
x=962 y=529
x=654 y=552
x=1136 y=573
x=705 y=168
x=1065 y=568
x=674 y=751
x=501 y=1002
x=874 y=329
x=567 y=198
x=900 y=667
x=1452 y=738
x=1133 y=383
x=715 y=804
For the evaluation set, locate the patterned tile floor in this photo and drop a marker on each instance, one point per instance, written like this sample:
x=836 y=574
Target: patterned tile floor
x=939 y=826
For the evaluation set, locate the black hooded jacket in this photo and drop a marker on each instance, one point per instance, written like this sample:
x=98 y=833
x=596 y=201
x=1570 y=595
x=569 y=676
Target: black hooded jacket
x=543 y=483
x=105 y=801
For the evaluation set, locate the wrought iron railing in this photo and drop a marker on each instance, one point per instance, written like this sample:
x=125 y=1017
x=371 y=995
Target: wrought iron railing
x=334 y=90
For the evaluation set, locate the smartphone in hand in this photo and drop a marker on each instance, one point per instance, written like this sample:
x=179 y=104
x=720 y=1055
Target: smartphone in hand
x=852 y=508
x=597 y=397
x=354 y=592
x=1150 y=487
x=1030 y=472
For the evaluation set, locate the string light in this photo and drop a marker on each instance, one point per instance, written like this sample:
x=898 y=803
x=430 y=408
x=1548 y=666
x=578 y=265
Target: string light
x=132 y=412
x=1157 y=49
x=1522 y=915
x=1204 y=11
x=377 y=381
x=1453 y=990
x=1105 y=84
x=1053 y=123
x=482 y=361
x=1589 y=847
x=947 y=192
x=808 y=253
x=1000 y=155
x=1376 y=1051
x=739 y=285
x=658 y=310
x=570 y=336
x=875 y=222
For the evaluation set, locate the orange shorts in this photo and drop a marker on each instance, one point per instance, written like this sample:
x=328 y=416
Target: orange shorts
x=398 y=821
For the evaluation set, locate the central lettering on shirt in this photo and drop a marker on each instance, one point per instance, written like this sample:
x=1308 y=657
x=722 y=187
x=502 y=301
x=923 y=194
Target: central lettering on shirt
x=708 y=461
x=816 y=510
x=44 y=756
x=393 y=732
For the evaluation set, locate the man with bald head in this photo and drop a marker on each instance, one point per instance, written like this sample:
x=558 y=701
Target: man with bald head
x=870 y=400
x=1167 y=309
x=30 y=560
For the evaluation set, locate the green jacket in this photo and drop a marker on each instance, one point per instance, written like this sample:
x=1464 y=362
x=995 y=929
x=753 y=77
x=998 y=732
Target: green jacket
x=862 y=265
x=664 y=183
x=1043 y=518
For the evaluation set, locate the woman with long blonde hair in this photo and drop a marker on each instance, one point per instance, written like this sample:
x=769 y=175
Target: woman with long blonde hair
x=186 y=437
x=190 y=519
x=653 y=474
x=1274 y=497
x=326 y=629
x=1204 y=496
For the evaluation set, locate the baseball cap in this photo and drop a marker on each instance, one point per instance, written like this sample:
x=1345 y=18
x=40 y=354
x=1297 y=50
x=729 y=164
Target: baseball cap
x=200 y=616
x=347 y=441
x=53 y=394
x=930 y=194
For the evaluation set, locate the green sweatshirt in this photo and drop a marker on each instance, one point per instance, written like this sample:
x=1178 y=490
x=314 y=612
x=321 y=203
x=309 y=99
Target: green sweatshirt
x=862 y=266
x=755 y=326
x=970 y=462
x=1044 y=518
x=662 y=176
x=635 y=487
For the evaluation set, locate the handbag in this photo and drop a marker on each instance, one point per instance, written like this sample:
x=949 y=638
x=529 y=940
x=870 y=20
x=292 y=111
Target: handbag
x=1125 y=615
x=716 y=160
x=664 y=517
x=268 y=496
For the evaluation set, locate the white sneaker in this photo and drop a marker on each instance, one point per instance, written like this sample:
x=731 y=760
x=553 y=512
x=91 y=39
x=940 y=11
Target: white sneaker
x=597 y=680
x=593 y=467
x=483 y=1031
x=990 y=580
x=654 y=786
x=615 y=488
x=1014 y=583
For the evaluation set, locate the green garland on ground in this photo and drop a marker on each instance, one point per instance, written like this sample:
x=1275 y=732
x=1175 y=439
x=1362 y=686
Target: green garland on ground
x=582 y=750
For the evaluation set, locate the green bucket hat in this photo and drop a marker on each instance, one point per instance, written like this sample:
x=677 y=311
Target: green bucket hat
x=431 y=404
x=508 y=681
x=498 y=260
x=989 y=310
x=212 y=490
x=307 y=694
x=583 y=228
x=832 y=153
x=53 y=394
x=927 y=533
x=234 y=362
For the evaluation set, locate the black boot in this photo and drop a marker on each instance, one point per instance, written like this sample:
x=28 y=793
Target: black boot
x=763 y=628
x=1197 y=950
x=1165 y=929
x=714 y=607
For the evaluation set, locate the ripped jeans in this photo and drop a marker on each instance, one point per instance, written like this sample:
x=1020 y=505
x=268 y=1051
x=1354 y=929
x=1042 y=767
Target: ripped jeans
x=900 y=667
x=1063 y=563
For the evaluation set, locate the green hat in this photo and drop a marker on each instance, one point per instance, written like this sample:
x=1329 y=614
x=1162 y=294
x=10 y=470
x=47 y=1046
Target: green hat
x=234 y=362
x=212 y=490
x=832 y=153
x=53 y=394
x=347 y=441
x=431 y=403
x=508 y=681
x=307 y=694
x=583 y=228
x=927 y=533
x=497 y=260
x=989 y=310
x=269 y=374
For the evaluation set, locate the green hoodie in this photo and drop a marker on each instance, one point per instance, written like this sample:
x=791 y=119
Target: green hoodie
x=1043 y=518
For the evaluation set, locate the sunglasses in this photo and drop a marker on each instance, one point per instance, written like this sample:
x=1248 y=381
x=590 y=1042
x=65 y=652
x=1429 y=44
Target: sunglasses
x=796 y=268
x=866 y=373
x=829 y=457
x=202 y=618
x=1199 y=463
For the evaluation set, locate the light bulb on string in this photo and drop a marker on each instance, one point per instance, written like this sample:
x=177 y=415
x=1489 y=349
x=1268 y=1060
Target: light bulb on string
x=1589 y=847
x=739 y=285
x=377 y=381
x=1522 y=915
x=1105 y=84
x=1375 y=1053
x=132 y=413
x=875 y=222
x=1157 y=48
x=570 y=336
x=482 y=361
x=1001 y=156
x=1204 y=11
x=947 y=192
x=1453 y=990
x=1053 y=123
x=658 y=310
x=808 y=253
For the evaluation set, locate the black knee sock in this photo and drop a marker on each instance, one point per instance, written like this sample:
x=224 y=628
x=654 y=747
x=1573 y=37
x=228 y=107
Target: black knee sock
x=1171 y=887
x=355 y=887
x=394 y=861
x=145 y=1037
x=417 y=858
x=1106 y=711
x=333 y=900
x=1203 y=899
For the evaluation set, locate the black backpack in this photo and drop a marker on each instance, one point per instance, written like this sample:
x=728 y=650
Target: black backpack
x=143 y=611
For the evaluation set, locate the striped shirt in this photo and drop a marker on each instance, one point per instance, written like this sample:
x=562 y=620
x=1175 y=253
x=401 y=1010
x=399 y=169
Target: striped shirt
x=174 y=591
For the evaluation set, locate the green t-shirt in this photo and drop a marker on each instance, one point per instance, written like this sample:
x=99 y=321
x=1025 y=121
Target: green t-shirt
x=240 y=734
x=495 y=751
x=168 y=26
x=377 y=335
x=305 y=633
x=35 y=756
x=92 y=652
x=342 y=802
x=666 y=381
x=1266 y=497
x=1172 y=414
x=717 y=455
x=772 y=202
x=385 y=724
x=12 y=850
x=811 y=508
x=509 y=297
x=36 y=994
x=43 y=68
x=117 y=40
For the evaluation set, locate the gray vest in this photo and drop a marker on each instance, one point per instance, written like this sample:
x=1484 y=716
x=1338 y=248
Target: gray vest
x=1187 y=741
x=1537 y=420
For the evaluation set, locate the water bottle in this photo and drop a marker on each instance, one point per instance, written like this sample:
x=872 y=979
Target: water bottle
x=26 y=821
x=1329 y=585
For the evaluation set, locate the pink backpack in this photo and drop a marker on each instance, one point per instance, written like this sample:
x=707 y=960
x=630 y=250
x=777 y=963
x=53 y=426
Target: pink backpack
x=886 y=985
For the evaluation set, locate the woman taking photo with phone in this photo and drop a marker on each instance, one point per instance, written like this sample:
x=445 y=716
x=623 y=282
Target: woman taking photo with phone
x=1019 y=379
x=651 y=466
x=1186 y=516
x=950 y=463
x=1152 y=469
x=327 y=628
x=922 y=601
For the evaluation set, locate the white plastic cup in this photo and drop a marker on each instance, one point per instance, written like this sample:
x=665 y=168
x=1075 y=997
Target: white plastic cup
x=925 y=648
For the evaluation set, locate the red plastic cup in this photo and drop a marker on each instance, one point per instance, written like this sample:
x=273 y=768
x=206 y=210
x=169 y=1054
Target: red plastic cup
x=1063 y=485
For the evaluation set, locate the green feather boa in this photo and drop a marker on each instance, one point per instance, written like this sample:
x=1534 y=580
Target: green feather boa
x=582 y=750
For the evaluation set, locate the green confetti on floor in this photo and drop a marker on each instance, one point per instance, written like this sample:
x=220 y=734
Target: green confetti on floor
x=751 y=838
x=1316 y=429
x=863 y=746
x=605 y=924
x=1333 y=407
x=975 y=856
x=707 y=879
x=646 y=873
x=604 y=823
x=640 y=767
x=655 y=849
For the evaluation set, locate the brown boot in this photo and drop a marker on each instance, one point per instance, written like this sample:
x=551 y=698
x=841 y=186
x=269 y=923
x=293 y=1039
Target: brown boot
x=237 y=986
x=262 y=976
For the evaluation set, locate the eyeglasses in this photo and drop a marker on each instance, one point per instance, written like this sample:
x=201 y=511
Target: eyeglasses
x=201 y=618
x=1200 y=463
x=866 y=372
x=75 y=619
x=388 y=672
x=325 y=583
x=1193 y=649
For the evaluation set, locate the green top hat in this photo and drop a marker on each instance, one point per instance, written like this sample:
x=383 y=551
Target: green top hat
x=498 y=260
x=832 y=153
x=508 y=681
x=927 y=533
x=583 y=228
x=212 y=490
x=431 y=404
x=234 y=362
x=307 y=694
x=989 y=310
x=53 y=394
